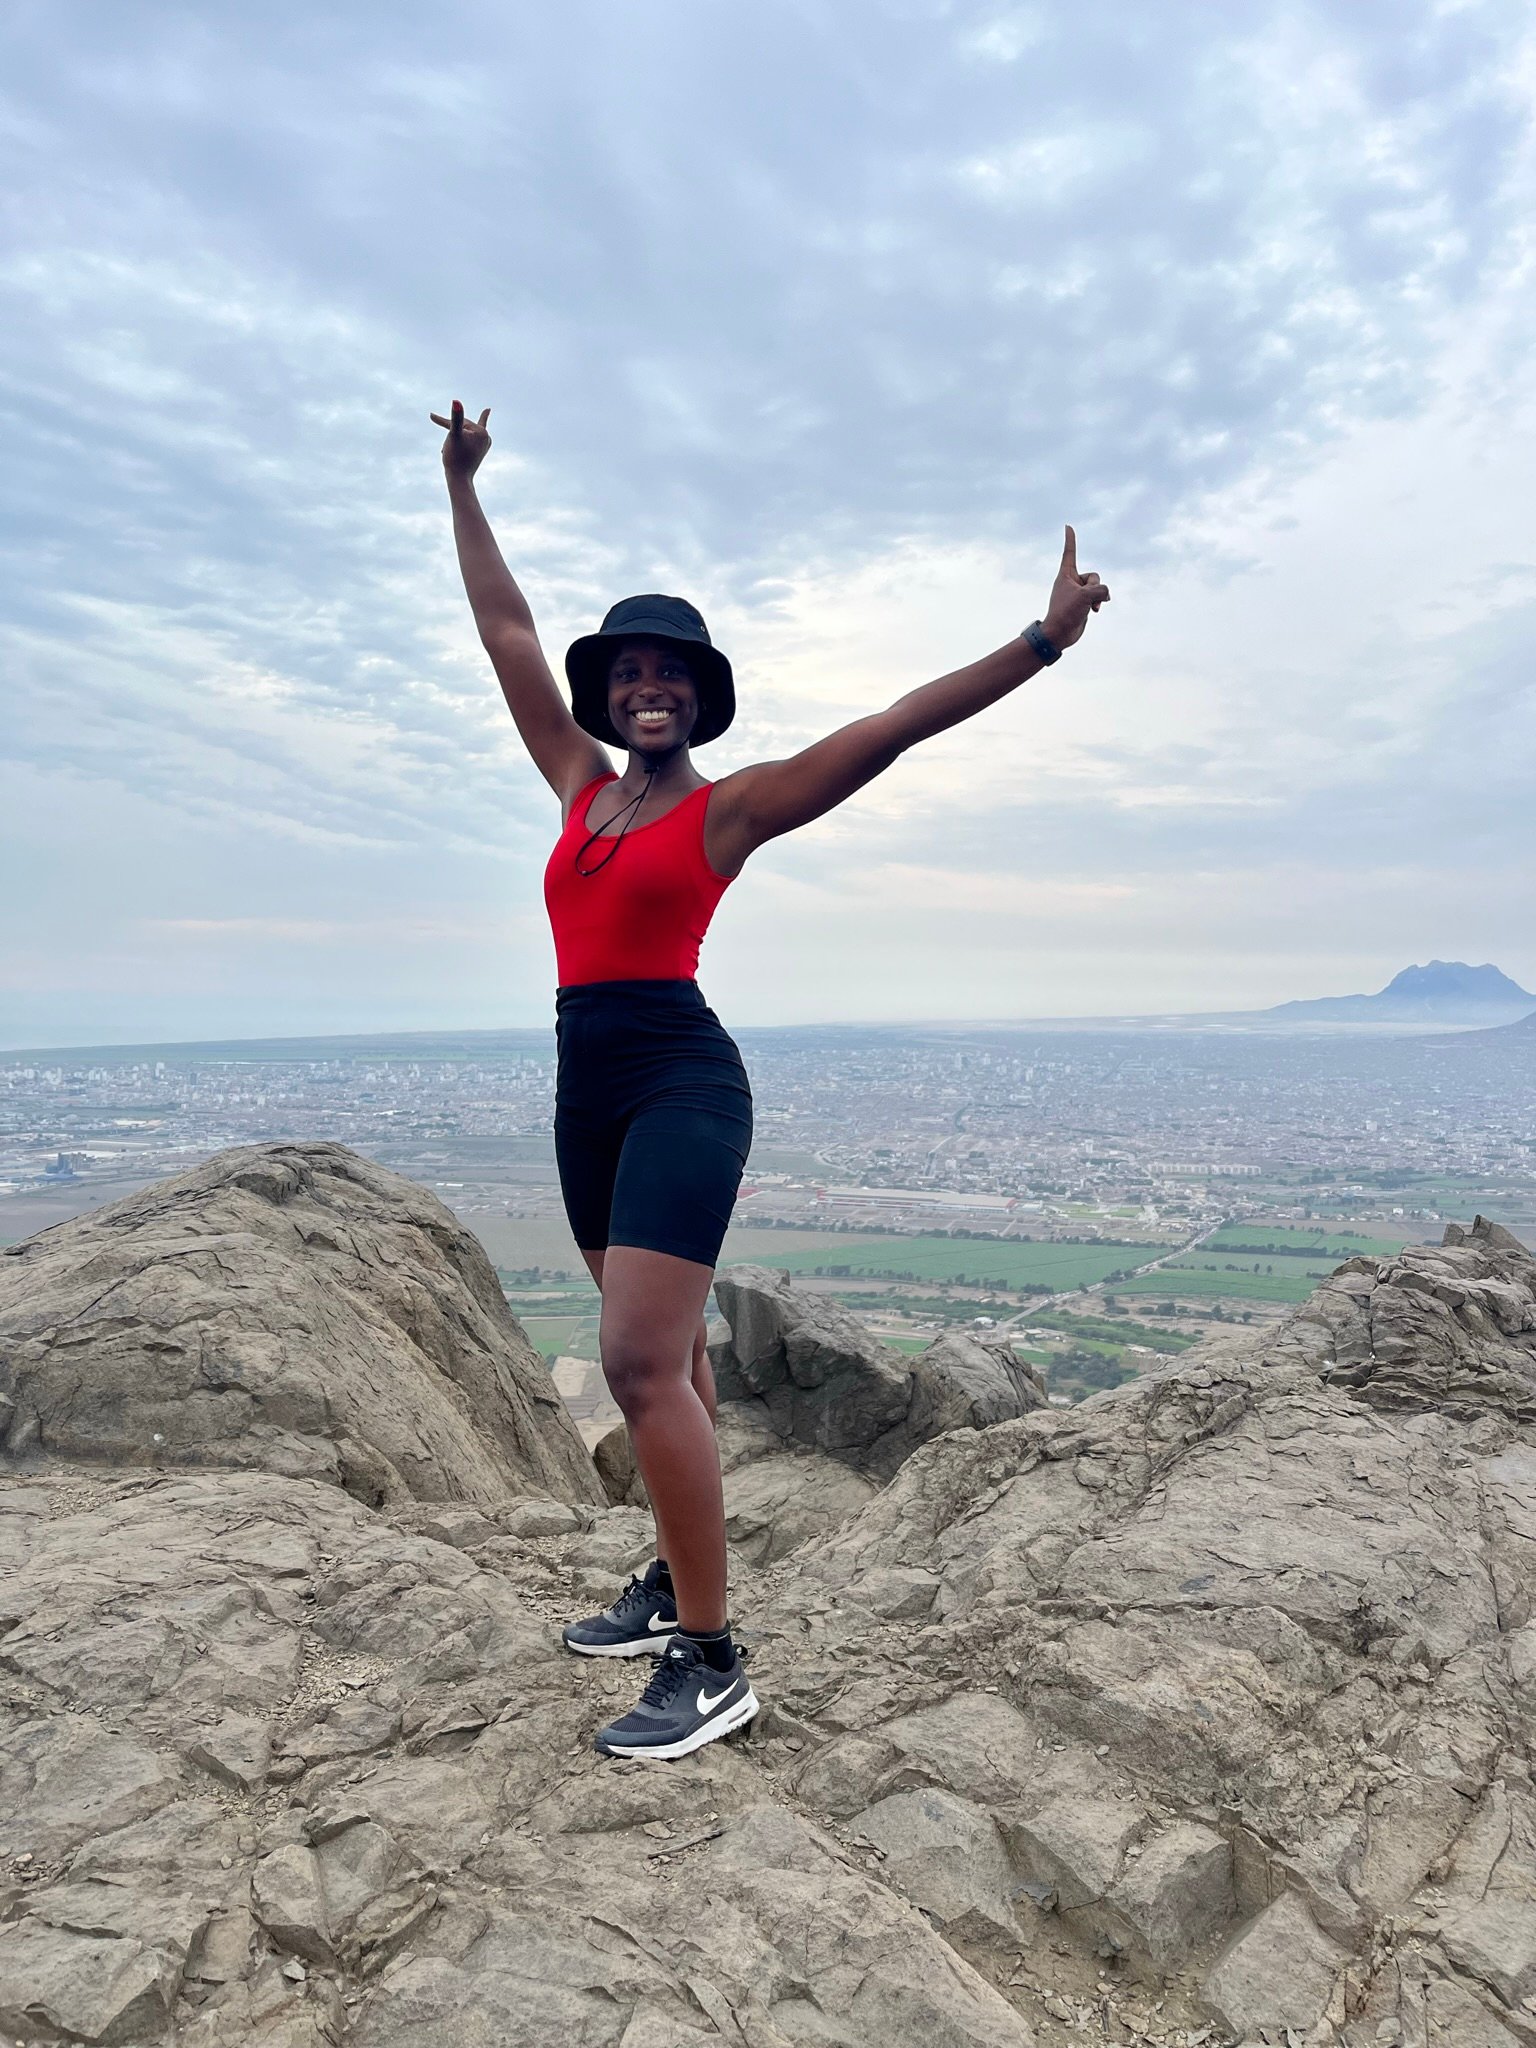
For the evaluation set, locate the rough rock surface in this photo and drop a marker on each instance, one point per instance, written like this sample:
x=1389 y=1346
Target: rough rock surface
x=455 y=1859
x=1200 y=1712
x=778 y=1495
x=817 y=1377
x=291 y=1307
x=1239 y=1657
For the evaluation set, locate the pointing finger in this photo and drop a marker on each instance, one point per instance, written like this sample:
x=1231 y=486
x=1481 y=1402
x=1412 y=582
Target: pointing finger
x=1069 y=553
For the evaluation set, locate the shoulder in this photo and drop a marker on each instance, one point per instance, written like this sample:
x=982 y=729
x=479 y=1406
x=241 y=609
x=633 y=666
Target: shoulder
x=732 y=794
x=730 y=823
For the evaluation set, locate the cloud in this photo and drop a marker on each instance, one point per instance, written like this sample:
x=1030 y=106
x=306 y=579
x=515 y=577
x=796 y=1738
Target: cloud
x=828 y=317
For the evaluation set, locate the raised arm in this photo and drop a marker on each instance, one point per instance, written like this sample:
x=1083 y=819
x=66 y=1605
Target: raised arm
x=761 y=802
x=564 y=755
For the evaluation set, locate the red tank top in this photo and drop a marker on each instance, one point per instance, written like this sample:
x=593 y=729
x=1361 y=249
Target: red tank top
x=643 y=915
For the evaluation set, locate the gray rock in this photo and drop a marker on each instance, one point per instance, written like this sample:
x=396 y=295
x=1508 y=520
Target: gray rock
x=779 y=1496
x=945 y=1855
x=101 y=1955
x=1287 y=1612
x=1175 y=1895
x=55 y=1981
x=620 y=1541
x=375 y=1892
x=228 y=1946
x=1243 y=1652
x=529 y=1518
x=288 y=1899
x=1453 y=2016
x=976 y=1744
x=614 y=1457
x=238 y=1751
x=1279 y=1971
x=63 y=1779
x=353 y=1727
x=965 y=1382
x=1075 y=1846
x=461 y=1527
x=795 y=1947
x=290 y=1307
x=896 y=1592
x=1445 y=1326
x=819 y=1379
x=1494 y=1940
x=188 y=1848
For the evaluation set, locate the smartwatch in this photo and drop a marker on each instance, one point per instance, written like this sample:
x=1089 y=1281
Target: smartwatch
x=1035 y=635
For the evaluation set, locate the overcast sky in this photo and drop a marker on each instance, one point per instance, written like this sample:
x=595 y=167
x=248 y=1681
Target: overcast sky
x=826 y=315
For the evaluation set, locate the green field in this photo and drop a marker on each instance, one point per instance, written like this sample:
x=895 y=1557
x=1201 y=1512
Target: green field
x=1272 y=1240
x=1120 y=1331
x=516 y=1243
x=1176 y=1283
x=553 y=1335
x=948 y=1261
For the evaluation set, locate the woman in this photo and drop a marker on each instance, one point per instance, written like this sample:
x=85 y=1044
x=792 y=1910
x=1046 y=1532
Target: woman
x=653 y=1116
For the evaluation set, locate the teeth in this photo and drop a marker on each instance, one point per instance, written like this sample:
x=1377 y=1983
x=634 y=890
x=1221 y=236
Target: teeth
x=652 y=717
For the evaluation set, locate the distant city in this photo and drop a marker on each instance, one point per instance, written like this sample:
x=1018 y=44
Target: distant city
x=1097 y=1195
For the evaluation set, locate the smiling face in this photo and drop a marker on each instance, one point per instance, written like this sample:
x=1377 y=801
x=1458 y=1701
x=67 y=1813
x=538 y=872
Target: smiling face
x=652 y=697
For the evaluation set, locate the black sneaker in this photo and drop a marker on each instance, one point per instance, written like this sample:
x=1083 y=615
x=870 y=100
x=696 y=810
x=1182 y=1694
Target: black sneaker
x=686 y=1704
x=640 y=1623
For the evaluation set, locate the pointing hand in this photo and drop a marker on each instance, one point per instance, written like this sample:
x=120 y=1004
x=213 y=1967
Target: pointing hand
x=1073 y=597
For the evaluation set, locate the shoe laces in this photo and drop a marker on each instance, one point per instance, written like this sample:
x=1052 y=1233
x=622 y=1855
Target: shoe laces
x=672 y=1672
x=632 y=1596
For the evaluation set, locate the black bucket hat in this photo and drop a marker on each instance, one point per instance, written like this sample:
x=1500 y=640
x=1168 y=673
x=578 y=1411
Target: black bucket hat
x=589 y=660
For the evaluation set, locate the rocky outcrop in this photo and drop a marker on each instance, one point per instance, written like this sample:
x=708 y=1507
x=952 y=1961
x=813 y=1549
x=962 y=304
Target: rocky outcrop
x=290 y=1307
x=814 y=1412
x=778 y=1495
x=278 y=1768
x=966 y=1382
x=817 y=1378
x=1237 y=1657
x=1198 y=1713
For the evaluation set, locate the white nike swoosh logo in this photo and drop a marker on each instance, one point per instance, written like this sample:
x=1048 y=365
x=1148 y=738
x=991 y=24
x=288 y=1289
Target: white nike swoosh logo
x=658 y=1622
x=707 y=1702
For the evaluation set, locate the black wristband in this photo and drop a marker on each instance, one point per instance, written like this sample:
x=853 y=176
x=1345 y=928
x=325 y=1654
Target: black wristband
x=1035 y=635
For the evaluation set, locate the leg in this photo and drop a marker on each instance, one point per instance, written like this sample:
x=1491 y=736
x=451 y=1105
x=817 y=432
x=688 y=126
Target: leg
x=703 y=1371
x=653 y=1307
x=702 y=1375
x=679 y=1167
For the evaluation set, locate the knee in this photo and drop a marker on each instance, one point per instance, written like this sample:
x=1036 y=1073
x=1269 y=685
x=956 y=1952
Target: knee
x=634 y=1374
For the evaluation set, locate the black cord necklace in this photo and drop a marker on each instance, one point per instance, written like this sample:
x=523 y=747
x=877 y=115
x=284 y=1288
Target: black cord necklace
x=632 y=808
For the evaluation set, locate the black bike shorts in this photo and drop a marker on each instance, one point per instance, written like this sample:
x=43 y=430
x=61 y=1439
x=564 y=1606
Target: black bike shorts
x=653 y=1117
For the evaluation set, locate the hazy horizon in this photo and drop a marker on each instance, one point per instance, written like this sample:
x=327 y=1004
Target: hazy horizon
x=440 y=1031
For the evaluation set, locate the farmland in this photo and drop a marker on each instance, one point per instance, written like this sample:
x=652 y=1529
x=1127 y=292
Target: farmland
x=1204 y=1279
x=1006 y=1265
x=1269 y=1241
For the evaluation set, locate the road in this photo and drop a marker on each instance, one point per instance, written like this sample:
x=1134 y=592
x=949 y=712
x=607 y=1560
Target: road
x=1071 y=1294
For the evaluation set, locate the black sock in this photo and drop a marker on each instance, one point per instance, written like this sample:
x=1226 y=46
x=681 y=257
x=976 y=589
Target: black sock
x=719 y=1650
x=658 y=1578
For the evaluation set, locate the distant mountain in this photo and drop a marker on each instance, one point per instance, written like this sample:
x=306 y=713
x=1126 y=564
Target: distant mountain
x=1517 y=1036
x=1443 y=992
